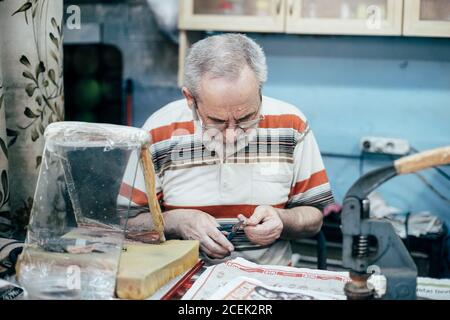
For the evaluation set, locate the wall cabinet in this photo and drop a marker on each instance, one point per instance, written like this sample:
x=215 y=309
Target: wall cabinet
x=352 y=17
x=430 y=18
x=233 y=15
x=333 y=17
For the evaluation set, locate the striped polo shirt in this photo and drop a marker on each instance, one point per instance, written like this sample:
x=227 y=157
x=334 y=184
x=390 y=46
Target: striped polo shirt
x=278 y=165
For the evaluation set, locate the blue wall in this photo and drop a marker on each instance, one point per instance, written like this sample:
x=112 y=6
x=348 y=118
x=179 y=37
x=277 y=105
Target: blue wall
x=350 y=87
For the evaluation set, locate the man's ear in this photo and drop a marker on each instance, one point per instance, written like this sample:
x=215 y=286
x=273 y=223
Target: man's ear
x=188 y=96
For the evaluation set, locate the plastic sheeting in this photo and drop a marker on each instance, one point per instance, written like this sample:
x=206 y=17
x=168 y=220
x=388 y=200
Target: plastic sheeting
x=76 y=228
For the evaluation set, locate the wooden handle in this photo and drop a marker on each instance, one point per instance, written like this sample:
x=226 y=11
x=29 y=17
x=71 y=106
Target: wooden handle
x=149 y=177
x=423 y=160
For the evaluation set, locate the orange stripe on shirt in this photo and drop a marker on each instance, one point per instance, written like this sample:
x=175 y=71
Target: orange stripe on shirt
x=283 y=121
x=224 y=211
x=137 y=196
x=173 y=129
x=187 y=127
x=316 y=179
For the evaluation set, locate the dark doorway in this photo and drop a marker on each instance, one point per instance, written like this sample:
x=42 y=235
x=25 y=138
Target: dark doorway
x=93 y=83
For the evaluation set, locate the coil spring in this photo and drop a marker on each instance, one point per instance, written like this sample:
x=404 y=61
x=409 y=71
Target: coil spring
x=362 y=246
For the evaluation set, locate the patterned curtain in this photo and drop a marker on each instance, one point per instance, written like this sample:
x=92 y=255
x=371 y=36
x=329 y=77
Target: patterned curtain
x=31 y=97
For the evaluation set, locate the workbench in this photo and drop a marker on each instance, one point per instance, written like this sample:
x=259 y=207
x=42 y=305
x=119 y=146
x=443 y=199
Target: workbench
x=173 y=290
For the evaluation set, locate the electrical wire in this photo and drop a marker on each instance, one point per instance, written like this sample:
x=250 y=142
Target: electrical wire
x=430 y=186
x=361 y=164
x=7 y=264
x=9 y=244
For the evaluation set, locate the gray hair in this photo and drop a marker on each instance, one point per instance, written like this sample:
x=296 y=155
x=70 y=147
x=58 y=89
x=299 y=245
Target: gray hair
x=223 y=56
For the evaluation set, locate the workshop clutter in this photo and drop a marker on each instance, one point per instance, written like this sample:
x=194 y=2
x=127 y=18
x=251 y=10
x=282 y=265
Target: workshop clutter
x=415 y=224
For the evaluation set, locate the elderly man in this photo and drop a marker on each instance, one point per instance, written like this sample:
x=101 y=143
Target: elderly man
x=226 y=152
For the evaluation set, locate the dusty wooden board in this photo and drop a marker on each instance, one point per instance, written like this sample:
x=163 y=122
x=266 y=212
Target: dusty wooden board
x=145 y=268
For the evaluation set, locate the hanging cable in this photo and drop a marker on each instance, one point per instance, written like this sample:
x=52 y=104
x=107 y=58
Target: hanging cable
x=431 y=187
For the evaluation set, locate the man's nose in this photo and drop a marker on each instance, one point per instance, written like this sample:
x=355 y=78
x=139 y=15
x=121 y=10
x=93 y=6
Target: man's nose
x=231 y=134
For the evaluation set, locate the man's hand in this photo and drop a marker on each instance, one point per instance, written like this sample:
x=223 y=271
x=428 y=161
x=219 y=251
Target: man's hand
x=198 y=225
x=142 y=221
x=264 y=227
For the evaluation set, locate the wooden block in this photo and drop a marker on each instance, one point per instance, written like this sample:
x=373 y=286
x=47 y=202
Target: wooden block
x=144 y=268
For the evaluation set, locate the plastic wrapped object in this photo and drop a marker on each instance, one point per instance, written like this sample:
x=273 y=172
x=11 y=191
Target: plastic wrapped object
x=166 y=14
x=77 y=225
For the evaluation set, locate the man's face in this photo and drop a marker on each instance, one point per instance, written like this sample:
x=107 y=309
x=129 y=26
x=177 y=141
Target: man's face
x=223 y=103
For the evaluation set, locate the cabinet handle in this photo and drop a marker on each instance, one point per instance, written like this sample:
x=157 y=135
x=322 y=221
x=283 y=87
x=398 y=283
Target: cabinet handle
x=279 y=7
x=291 y=7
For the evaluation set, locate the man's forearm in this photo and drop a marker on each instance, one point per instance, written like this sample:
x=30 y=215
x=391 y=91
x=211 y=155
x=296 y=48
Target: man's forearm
x=300 y=222
x=143 y=221
x=171 y=217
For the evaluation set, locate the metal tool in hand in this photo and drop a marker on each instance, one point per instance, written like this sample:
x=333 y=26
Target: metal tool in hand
x=237 y=237
x=232 y=229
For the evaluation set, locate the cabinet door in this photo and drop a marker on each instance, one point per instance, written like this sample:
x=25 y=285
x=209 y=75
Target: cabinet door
x=427 y=18
x=232 y=15
x=351 y=17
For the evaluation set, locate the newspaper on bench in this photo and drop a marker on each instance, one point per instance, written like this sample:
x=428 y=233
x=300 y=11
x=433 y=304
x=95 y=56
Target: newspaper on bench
x=216 y=277
x=244 y=288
